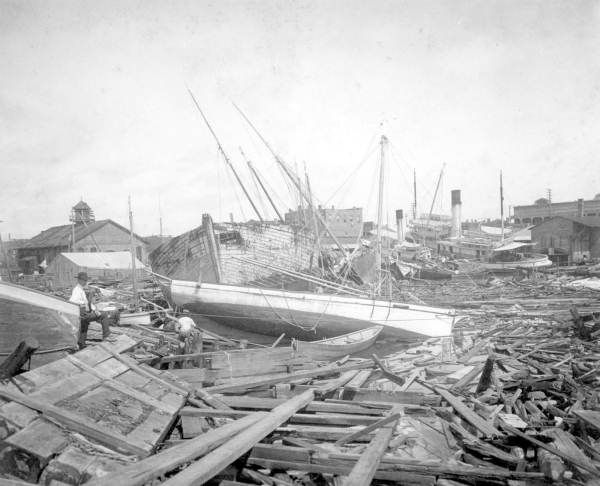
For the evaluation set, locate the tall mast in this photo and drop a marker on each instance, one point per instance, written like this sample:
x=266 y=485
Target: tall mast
x=501 y=206
x=255 y=174
x=226 y=158
x=160 y=217
x=380 y=210
x=293 y=177
x=132 y=251
x=437 y=187
x=414 y=194
x=313 y=211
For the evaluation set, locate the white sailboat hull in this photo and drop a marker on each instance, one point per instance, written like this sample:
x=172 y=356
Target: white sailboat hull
x=306 y=315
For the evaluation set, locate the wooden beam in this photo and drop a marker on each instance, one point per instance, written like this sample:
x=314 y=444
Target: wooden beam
x=207 y=467
x=370 y=428
x=553 y=450
x=325 y=371
x=144 y=471
x=138 y=369
x=364 y=470
x=276 y=456
x=469 y=415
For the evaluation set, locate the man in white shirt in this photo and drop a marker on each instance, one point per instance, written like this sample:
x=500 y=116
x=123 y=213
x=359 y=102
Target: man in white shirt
x=87 y=310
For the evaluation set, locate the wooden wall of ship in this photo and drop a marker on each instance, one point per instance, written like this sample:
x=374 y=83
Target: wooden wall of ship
x=215 y=253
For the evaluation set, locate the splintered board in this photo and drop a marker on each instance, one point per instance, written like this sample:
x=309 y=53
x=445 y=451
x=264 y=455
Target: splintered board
x=97 y=393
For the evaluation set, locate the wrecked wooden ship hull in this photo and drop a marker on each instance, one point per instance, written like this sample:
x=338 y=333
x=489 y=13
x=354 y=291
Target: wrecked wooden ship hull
x=306 y=315
x=26 y=313
x=214 y=252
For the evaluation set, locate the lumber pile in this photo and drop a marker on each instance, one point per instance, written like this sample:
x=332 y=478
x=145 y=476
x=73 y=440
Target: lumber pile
x=511 y=399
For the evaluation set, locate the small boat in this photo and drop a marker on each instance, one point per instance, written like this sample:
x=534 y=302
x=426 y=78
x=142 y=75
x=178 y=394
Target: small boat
x=337 y=347
x=306 y=315
x=28 y=313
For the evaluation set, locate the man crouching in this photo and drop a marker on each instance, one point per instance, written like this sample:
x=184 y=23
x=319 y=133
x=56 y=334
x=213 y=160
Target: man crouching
x=87 y=310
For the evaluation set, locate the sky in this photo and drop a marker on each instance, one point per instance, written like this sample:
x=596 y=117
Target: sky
x=94 y=104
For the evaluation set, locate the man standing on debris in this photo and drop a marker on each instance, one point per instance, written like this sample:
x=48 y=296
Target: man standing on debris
x=87 y=310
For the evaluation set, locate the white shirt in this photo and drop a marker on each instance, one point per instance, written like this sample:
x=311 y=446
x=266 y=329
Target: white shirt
x=78 y=297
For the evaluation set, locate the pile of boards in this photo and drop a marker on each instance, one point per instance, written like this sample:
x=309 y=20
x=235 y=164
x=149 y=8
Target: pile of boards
x=511 y=400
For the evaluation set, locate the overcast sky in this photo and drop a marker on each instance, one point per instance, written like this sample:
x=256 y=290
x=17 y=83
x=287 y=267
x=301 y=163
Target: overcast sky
x=94 y=104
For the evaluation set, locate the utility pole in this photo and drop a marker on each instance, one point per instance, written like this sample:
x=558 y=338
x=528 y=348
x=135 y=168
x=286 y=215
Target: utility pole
x=501 y=207
x=133 y=256
x=549 y=197
x=414 y=194
x=160 y=226
x=5 y=256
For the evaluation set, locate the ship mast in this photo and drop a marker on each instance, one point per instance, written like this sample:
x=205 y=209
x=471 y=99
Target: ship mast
x=255 y=174
x=133 y=256
x=437 y=187
x=383 y=143
x=293 y=177
x=227 y=161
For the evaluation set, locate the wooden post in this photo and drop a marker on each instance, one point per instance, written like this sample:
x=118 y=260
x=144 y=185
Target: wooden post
x=15 y=360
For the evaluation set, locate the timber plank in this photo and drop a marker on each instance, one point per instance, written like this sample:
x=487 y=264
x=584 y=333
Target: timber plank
x=78 y=423
x=366 y=467
x=208 y=466
x=41 y=438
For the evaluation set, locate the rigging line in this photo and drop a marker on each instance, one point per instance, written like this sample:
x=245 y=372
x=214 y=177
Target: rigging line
x=237 y=197
x=352 y=174
x=225 y=155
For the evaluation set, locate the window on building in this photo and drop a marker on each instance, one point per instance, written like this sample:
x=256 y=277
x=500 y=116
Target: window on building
x=138 y=252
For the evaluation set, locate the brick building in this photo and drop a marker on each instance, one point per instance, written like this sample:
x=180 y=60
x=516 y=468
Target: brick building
x=536 y=213
x=566 y=239
x=346 y=224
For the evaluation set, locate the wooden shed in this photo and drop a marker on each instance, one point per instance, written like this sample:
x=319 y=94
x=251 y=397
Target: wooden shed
x=100 y=267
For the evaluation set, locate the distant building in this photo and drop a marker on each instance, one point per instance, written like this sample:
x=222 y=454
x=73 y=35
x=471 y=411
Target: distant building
x=543 y=211
x=84 y=234
x=100 y=267
x=8 y=259
x=567 y=239
x=345 y=224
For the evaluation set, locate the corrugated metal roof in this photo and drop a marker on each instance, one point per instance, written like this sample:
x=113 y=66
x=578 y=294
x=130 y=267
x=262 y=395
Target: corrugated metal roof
x=107 y=260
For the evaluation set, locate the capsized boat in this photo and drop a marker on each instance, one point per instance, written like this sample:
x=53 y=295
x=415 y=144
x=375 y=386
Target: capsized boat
x=339 y=346
x=27 y=313
x=306 y=315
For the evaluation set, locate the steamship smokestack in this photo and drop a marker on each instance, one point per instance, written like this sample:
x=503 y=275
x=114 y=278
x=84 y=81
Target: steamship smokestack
x=456 y=231
x=399 y=224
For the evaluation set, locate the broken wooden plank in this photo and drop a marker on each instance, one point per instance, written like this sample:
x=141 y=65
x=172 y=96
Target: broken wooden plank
x=364 y=470
x=146 y=470
x=380 y=423
x=469 y=415
x=80 y=424
x=553 y=450
x=325 y=371
x=205 y=468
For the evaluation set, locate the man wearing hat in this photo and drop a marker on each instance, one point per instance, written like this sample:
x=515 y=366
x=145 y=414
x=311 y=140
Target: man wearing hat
x=87 y=310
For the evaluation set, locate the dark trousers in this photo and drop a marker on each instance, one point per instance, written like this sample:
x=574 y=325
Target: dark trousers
x=84 y=323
